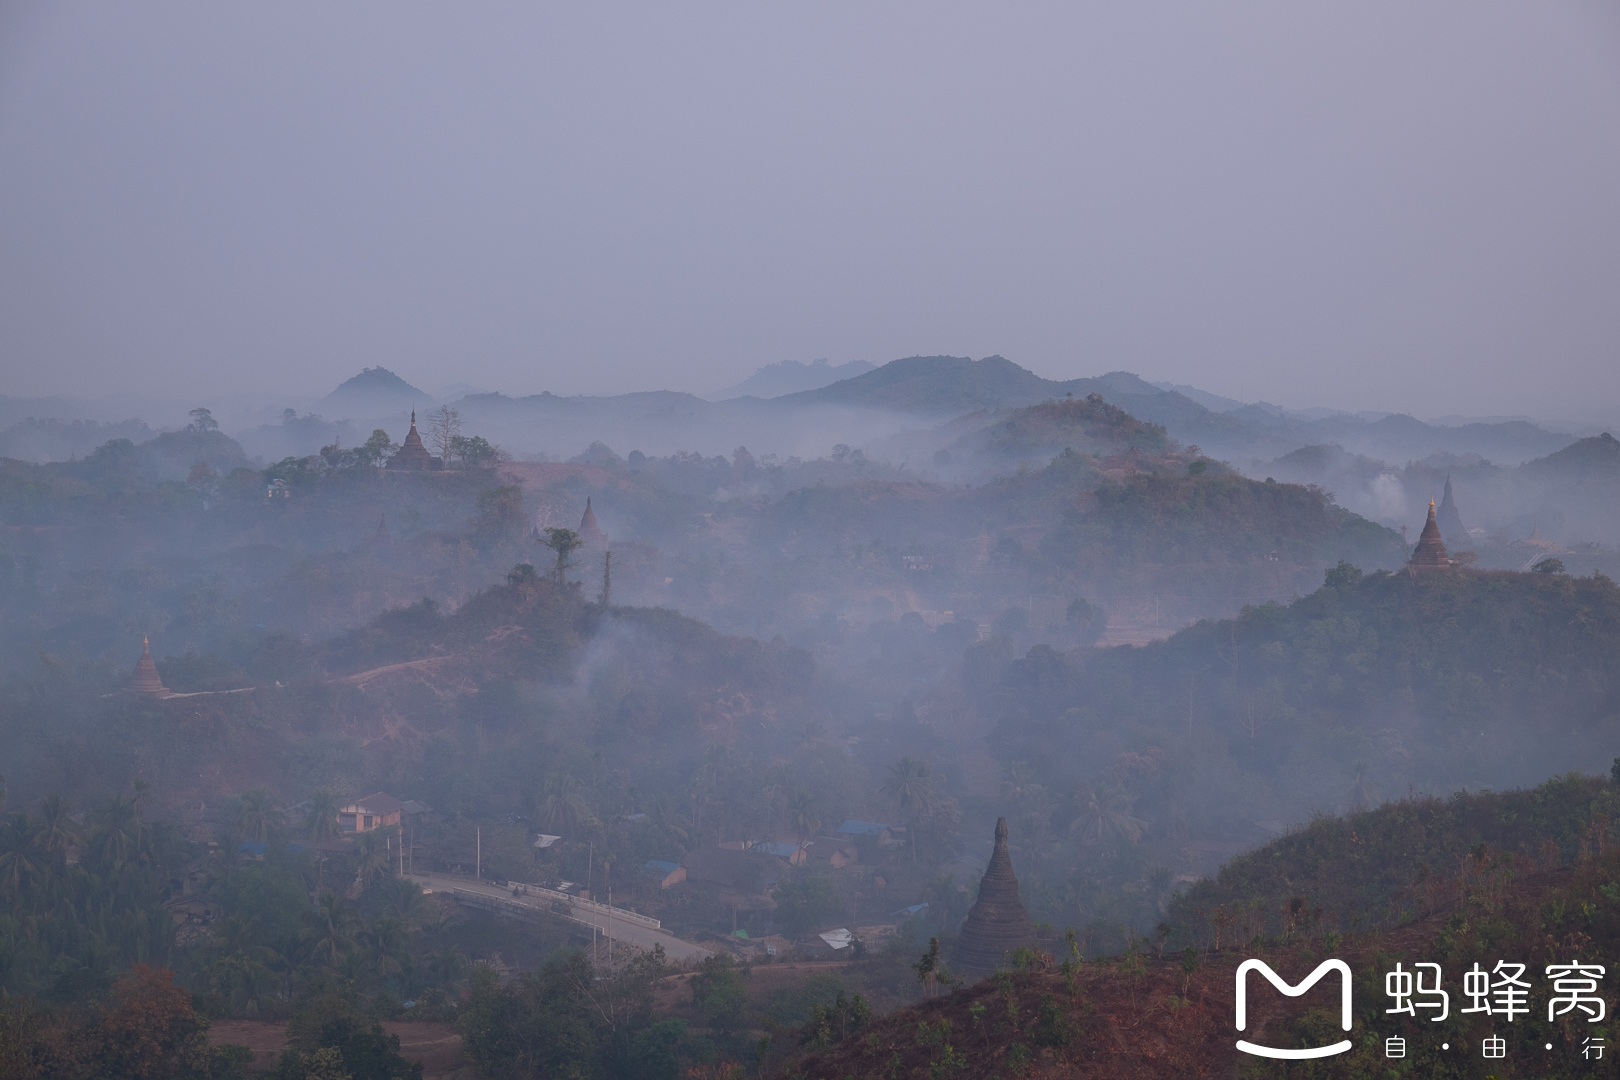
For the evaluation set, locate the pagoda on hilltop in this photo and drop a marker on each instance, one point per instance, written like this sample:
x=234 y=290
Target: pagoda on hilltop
x=1430 y=553
x=146 y=679
x=589 y=531
x=413 y=455
x=998 y=921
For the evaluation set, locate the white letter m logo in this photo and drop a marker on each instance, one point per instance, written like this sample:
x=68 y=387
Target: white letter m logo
x=1292 y=991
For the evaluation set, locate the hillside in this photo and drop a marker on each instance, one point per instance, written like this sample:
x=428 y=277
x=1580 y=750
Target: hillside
x=1040 y=432
x=375 y=388
x=1167 y=1010
x=1595 y=458
x=791 y=377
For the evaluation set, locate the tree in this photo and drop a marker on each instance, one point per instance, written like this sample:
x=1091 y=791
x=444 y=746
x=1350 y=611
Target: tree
x=1549 y=566
x=561 y=807
x=202 y=477
x=804 y=903
x=261 y=820
x=1343 y=576
x=149 y=1030
x=500 y=511
x=931 y=971
x=56 y=831
x=331 y=1022
x=803 y=816
x=911 y=786
x=321 y=819
x=404 y=901
x=20 y=856
x=377 y=449
x=719 y=994
x=475 y=452
x=114 y=839
x=564 y=542
x=1107 y=814
x=373 y=854
x=330 y=929
x=444 y=427
x=202 y=422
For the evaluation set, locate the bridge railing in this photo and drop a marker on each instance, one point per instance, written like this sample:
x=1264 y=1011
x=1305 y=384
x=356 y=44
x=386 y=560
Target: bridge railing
x=542 y=893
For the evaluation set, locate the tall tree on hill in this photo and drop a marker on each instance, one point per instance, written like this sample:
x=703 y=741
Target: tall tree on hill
x=260 y=818
x=564 y=542
x=56 y=831
x=322 y=819
x=912 y=786
x=444 y=426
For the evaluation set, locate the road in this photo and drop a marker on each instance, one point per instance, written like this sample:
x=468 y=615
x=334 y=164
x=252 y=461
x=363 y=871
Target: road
x=623 y=927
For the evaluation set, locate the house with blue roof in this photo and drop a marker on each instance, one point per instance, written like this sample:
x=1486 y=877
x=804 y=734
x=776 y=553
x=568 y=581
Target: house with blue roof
x=793 y=853
x=869 y=830
x=664 y=874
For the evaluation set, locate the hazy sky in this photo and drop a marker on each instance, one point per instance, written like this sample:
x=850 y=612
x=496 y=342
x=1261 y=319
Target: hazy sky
x=1383 y=205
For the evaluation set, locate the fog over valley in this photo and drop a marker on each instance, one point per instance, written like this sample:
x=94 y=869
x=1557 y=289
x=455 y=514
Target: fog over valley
x=832 y=542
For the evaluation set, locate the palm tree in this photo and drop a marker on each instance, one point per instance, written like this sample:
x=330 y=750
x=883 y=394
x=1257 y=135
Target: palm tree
x=322 y=817
x=114 y=835
x=240 y=969
x=375 y=855
x=19 y=858
x=260 y=818
x=910 y=785
x=56 y=832
x=561 y=805
x=667 y=825
x=388 y=942
x=803 y=816
x=139 y=790
x=405 y=902
x=1106 y=813
x=331 y=927
x=446 y=967
x=1018 y=783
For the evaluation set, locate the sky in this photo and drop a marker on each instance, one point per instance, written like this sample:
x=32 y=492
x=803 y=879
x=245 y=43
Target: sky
x=1370 y=205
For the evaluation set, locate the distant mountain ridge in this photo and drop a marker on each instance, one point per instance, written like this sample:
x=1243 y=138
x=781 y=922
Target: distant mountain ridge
x=791 y=377
x=951 y=385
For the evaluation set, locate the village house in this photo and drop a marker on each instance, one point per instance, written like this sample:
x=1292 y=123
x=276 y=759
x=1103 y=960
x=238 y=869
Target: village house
x=663 y=874
x=371 y=812
x=831 y=852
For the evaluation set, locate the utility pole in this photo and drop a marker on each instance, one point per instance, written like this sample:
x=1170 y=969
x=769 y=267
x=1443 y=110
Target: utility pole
x=607 y=577
x=478 y=852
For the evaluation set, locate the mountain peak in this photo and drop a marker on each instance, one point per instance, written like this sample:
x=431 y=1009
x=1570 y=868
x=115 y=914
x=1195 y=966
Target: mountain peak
x=376 y=383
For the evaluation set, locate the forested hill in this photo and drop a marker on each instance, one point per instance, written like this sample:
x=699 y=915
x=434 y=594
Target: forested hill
x=1526 y=877
x=1369 y=688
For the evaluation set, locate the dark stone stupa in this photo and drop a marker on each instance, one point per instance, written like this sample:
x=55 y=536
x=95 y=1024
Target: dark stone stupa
x=412 y=454
x=1448 y=518
x=998 y=922
x=1430 y=553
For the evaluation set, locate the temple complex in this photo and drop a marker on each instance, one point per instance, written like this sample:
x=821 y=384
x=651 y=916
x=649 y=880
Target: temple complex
x=1430 y=553
x=413 y=455
x=998 y=922
x=146 y=680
